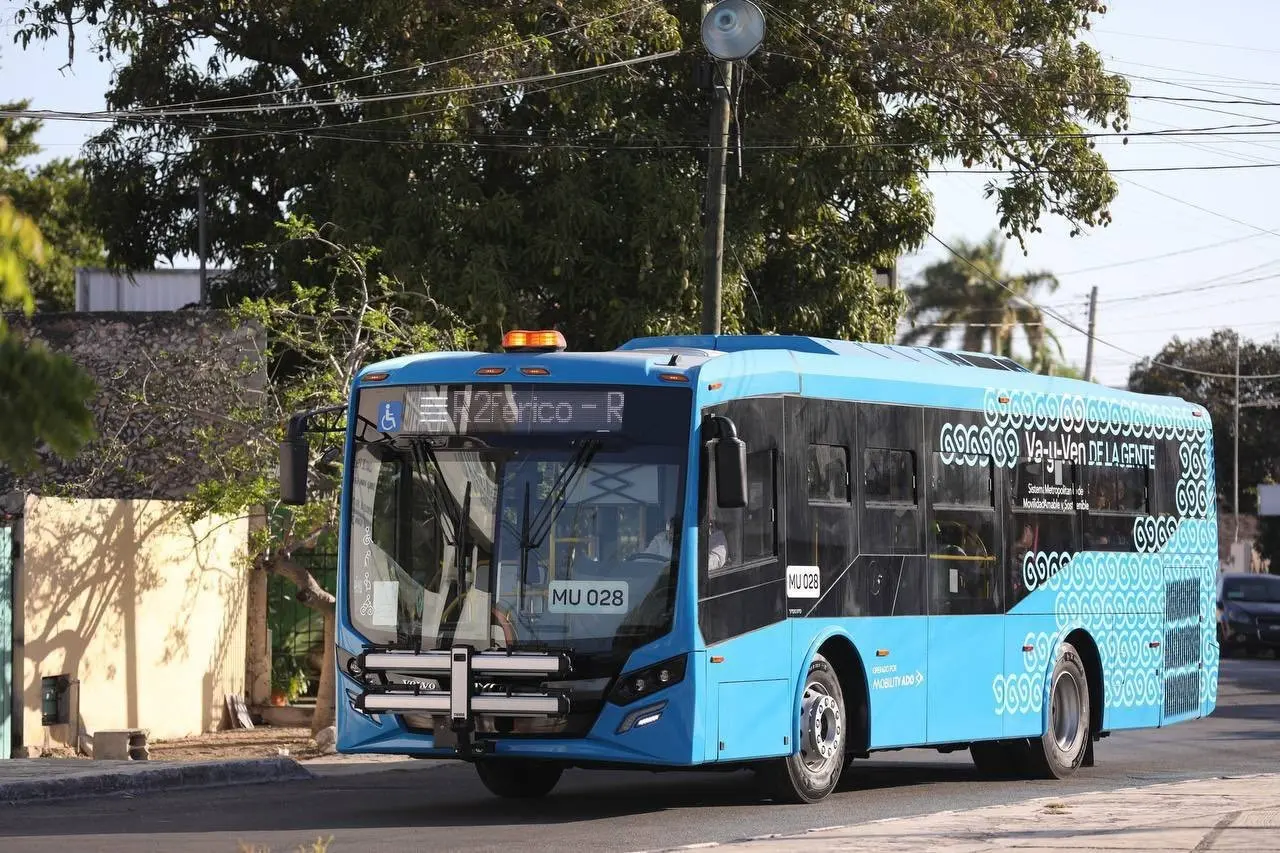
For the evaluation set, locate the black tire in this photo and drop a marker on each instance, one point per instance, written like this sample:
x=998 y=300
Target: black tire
x=999 y=759
x=813 y=770
x=1060 y=751
x=519 y=778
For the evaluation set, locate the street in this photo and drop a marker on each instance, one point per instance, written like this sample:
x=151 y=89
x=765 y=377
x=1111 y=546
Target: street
x=414 y=806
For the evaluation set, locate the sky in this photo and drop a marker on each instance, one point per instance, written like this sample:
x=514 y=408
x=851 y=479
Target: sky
x=1188 y=251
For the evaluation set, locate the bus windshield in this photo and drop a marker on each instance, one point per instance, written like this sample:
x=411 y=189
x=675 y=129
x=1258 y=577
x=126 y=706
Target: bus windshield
x=513 y=543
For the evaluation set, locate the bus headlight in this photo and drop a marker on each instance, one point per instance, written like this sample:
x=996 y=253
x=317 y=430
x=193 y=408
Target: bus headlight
x=643 y=682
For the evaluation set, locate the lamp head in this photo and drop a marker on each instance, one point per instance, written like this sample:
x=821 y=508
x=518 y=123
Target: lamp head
x=733 y=30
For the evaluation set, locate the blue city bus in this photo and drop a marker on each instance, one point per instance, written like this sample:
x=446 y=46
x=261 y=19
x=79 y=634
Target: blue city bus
x=768 y=552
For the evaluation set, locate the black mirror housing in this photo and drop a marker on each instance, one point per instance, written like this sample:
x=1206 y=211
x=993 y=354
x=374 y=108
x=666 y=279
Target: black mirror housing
x=295 y=459
x=731 y=473
x=729 y=458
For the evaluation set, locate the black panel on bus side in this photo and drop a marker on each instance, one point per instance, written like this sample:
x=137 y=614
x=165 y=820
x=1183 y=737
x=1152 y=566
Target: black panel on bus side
x=746 y=592
x=820 y=509
x=888 y=578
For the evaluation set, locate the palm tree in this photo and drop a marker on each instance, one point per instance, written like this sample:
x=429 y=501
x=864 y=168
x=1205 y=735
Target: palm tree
x=971 y=295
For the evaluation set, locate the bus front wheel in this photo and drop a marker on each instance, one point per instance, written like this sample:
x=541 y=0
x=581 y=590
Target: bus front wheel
x=1061 y=749
x=813 y=770
x=519 y=778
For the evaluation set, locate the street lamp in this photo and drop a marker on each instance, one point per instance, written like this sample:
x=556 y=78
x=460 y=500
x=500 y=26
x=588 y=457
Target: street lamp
x=732 y=30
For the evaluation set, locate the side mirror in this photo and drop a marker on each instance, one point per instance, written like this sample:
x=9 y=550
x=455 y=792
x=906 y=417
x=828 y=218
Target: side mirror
x=295 y=456
x=731 y=473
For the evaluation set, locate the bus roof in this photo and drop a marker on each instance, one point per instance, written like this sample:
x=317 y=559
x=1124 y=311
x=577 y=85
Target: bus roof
x=797 y=364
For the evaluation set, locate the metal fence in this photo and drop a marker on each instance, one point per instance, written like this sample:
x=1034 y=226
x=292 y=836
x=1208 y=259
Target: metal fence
x=297 y=631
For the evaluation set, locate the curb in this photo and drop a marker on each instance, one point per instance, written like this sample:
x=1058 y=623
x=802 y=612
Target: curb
x=208 y=774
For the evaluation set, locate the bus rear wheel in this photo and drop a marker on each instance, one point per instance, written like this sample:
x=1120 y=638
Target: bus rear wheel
x=1060 y=751
x=812 y=772
x=519 y=778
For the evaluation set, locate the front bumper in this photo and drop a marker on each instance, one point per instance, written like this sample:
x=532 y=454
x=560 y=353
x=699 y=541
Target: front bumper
x=1256 y=634
x=455 y=710
x=518 y=704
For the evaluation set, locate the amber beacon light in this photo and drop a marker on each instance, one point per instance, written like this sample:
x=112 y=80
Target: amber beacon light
x=519 y=340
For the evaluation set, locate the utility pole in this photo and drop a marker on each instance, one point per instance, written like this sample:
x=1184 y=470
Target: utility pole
x=202 y=214
x=713 y=235
x=1093 y=318
x=1235 y=534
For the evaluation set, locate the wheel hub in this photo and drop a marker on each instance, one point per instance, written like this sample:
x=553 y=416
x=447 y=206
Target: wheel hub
x=822 y=728
x=1067 y=711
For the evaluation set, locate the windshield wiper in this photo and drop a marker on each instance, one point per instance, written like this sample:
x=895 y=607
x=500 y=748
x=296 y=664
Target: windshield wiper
x=439 y=505
x=556 y=499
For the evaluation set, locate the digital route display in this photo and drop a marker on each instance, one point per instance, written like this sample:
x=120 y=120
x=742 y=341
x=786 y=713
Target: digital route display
x=468 y=409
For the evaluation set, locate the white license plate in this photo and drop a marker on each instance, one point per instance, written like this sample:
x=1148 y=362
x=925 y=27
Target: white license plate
x=588 y=597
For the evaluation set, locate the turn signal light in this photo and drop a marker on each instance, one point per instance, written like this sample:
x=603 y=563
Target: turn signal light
x=520 y=340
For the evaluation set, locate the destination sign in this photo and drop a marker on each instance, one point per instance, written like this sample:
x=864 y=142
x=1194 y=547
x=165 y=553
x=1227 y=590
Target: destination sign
x=468 y=409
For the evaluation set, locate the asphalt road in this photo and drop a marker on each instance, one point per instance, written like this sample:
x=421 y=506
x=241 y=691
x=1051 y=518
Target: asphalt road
x=444 y=807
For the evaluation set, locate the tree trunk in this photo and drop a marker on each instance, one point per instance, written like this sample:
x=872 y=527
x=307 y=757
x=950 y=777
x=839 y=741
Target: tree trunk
x=311 y=594
x=325 y=699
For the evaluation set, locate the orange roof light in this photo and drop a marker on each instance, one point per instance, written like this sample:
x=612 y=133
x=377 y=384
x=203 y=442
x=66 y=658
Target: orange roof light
x=519 y=340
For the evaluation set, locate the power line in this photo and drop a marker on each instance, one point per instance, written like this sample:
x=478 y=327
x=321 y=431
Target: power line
x=1188 y=41
x=419 y=66
x=165 y=113
x=1165 y=255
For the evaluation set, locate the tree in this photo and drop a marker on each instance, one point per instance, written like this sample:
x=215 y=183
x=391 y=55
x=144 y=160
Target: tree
x=575 y=202
x=55 y=195
x=972 y=297
x=317 y=339
x=1170 y=372
x=42 y=395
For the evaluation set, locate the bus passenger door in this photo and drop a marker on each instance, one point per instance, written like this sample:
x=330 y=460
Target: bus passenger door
x=966 y=597
x=888 y=584
x=742 y=596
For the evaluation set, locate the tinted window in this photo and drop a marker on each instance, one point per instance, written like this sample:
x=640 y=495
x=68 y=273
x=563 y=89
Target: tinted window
x=889 y=475
x=750 y=533
x=1115 y=489
x=828 y=474
x=1040 y=486
x=961 y=484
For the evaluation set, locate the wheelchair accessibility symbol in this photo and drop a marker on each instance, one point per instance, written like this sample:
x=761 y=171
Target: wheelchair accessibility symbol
x=389 y=418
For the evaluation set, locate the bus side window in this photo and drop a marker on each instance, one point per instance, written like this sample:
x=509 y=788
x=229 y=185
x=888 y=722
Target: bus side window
x=1114 y=497
x=891 y=519
x=963 y=558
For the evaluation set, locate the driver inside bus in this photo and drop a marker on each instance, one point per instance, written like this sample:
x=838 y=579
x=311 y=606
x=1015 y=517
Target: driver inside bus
x=717 y=551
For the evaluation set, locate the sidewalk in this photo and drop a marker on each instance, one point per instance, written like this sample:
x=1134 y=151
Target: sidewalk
x=40 y=779
x=1225 y=814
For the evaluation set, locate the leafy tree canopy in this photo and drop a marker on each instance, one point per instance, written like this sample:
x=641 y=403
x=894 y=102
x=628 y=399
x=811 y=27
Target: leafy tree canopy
x=55 y=196
x=1216 y=354
x=575 y=202
x=971 y=297
x=42 y=395
x=317 y=337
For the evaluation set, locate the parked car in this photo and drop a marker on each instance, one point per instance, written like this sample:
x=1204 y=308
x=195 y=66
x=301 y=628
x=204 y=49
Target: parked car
x=1248 y=613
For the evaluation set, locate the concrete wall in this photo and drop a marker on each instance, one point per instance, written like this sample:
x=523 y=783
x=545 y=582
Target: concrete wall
x=144 y=611
x=162 y=379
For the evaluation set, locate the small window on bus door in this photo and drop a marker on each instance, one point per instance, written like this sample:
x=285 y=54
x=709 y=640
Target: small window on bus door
x=891 y=518
x=828 y=474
